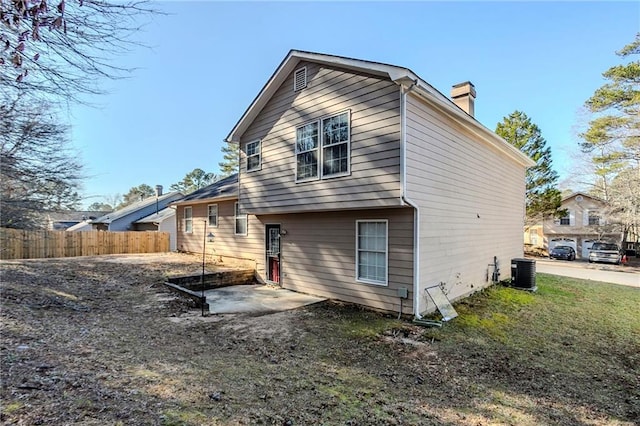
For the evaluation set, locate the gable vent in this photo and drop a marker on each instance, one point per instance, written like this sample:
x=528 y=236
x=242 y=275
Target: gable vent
x=300 y=79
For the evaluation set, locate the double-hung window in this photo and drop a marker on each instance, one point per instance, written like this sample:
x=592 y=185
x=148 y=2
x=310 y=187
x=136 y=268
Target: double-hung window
x=324 y=143
x=212 y=214
x=307 y=151
x=241 y=221
x=371 y=251
x=594 y=218
x=253 y=156
x=188 y=220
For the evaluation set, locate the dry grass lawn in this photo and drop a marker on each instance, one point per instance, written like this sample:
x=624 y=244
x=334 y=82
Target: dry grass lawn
x=99 y=341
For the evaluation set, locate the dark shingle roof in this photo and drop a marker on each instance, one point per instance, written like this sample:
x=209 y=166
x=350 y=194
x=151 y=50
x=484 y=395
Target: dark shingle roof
x=224 y=188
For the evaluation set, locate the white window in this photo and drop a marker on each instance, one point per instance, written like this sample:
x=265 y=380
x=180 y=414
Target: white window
x=241 y=221
x=188 y=220
x=212 y=213
x=253 y=156
x=324 y=142
x=307 y=151
x=533 y=236
x=371 y=251
x=594 y=217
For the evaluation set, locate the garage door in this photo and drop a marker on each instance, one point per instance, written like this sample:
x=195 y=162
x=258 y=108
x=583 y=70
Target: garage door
x=563 y=242
x=586 y=248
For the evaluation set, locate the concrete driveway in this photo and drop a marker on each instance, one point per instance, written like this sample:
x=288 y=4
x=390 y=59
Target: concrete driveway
x=623 y=275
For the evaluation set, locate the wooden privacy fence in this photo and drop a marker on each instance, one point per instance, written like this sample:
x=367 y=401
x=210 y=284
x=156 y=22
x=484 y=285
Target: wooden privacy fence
x=19 y=244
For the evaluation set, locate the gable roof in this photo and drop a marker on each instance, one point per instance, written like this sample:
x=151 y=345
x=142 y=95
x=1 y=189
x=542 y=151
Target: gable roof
x=226 y=188
x=139 y=205
x=399 y=75
x=163 y=214
x=575 y=194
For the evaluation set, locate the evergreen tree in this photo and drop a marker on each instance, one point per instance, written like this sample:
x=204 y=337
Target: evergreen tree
x=543 y=198
x=137 y=193
x=194 y=180
x=613 y=136
x=231 y=153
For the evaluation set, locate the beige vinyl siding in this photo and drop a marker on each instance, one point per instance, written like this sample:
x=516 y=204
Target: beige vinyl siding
x=374 y=180
x=319 y=254
x=471 y=200
x=248 y=247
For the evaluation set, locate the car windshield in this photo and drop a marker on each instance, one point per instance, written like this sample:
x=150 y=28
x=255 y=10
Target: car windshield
x=604 y=246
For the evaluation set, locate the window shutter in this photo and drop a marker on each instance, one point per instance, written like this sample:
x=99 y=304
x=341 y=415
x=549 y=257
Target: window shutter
x=300 y=79
x=572 y=218
x=600 y=220
x=585 y=218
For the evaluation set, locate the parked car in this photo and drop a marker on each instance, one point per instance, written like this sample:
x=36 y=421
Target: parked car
x=563 y=252
x=605 y=252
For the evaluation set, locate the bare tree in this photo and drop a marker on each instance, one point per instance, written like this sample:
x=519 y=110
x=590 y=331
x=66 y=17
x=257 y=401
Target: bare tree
x=39 y=171
x=64 y=50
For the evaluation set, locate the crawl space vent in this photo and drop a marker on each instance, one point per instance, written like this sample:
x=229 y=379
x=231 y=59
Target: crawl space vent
x=300 y=79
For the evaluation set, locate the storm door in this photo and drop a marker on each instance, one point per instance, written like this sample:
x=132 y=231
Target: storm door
x=273 y=253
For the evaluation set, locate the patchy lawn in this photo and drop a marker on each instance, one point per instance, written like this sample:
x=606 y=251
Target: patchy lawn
x=98 y=341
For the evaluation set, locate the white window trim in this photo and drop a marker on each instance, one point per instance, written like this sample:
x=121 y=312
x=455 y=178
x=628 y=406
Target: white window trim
x=190 y=218
x=235 y=220
x=259 y=155
x=386 y=278
x=320 y=148
x=209 y=215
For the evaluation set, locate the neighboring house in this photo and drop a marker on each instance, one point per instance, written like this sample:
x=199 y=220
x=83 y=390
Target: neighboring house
x=163 y=221
x=584 y=224
x=61 y=221
x=361 y=182
x=123 y=219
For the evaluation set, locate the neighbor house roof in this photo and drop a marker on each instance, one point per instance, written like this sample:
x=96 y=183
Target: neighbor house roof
x=399 y=75
x=223 y=189
x=163 y=214
x=575 y=194
x=132 y=208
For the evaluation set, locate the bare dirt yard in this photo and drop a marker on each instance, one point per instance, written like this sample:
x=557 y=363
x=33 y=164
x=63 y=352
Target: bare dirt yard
x=100 y=341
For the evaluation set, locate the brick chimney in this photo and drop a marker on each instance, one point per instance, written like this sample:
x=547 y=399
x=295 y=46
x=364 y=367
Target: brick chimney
x=464 y=95
x=158 y=190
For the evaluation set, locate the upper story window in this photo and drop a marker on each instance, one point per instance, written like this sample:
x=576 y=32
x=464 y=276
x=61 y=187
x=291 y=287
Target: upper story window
x=212 y=213
x=594 y=218
x=241 y=221
x=324 y=142
x=253 y=156
x=565 y=220
x=188 y=219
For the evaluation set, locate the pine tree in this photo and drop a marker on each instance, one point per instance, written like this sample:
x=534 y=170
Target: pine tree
x=613 y=136
x=231 y=153
x=543 y=198
x=194 y=180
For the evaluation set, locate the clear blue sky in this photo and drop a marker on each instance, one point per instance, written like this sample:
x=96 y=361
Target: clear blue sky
x=210 y=59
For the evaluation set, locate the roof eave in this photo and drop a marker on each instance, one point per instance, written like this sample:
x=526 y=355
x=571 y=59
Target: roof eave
x=288 y=65
x=206 y=200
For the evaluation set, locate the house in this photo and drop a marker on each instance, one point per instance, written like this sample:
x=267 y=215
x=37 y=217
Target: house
x=584 y=223
x=361 y=182
x=163 y=221
x=63 y=220
x=124 y=219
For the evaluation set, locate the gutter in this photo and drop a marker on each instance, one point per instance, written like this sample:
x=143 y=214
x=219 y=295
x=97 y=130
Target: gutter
x=404 y=198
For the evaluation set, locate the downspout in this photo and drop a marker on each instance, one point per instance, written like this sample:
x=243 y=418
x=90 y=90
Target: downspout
x=406 y=200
